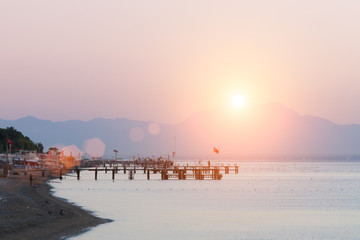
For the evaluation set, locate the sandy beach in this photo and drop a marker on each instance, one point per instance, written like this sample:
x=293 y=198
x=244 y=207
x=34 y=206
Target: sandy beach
x=31 y=212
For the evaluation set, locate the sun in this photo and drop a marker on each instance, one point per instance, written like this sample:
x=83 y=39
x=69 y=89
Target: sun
x=238 y=101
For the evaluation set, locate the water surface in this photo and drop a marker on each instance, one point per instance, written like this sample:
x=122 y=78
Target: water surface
x=264 y=201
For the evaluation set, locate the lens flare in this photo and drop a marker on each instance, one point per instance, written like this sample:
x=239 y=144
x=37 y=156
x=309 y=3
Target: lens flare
x=136 y=134
x=154 y=128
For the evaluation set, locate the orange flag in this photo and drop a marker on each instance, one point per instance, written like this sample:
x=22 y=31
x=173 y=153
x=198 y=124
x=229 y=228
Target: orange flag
x=216 y=150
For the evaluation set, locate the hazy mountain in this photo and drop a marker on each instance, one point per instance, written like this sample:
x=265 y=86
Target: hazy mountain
x=267 y=129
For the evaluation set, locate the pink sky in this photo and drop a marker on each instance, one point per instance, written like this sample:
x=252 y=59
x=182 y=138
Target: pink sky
x=164 y=60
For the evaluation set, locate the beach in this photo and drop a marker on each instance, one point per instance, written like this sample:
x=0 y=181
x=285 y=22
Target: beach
x=31 y=212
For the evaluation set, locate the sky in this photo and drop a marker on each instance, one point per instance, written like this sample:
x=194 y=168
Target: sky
x=165 y=60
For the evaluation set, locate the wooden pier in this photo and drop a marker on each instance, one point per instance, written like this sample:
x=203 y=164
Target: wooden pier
x=195 y=172
x=167 y=173
x=148 y=167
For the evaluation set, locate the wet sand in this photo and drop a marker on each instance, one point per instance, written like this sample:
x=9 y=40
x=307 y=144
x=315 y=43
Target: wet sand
x=31 y=212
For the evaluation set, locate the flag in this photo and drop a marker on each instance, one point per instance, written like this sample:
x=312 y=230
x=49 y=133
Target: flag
x=8 y=141
x=116 y=150
x=216 y=150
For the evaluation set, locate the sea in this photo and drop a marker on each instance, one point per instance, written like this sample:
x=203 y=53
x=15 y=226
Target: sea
x=265 y=201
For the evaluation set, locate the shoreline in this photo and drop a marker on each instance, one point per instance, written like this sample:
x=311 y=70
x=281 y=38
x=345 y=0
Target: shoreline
x=32 y=211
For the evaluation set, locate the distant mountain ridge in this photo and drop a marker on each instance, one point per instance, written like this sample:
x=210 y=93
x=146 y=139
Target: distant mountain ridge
x=267 y=129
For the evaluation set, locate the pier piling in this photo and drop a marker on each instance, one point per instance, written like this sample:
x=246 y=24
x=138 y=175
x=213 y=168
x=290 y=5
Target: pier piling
x=131 y=175
x=31 y=179
x=164 y=174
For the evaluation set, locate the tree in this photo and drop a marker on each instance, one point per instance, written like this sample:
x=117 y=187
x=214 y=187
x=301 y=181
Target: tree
x=39 y=147
x=18 y=140
x=3 y=140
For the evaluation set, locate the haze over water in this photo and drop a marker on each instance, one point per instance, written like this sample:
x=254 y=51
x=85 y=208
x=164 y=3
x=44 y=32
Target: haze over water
x=264 y=201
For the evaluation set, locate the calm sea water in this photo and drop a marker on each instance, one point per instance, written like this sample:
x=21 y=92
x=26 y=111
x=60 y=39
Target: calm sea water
x=264 y=201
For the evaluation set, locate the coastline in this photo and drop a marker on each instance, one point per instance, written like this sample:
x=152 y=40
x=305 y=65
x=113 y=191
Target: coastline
x=32 y=211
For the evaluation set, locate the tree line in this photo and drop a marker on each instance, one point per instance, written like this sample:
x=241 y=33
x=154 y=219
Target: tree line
x=18 y=141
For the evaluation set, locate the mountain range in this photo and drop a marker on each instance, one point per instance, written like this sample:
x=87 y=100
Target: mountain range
x=265 y=130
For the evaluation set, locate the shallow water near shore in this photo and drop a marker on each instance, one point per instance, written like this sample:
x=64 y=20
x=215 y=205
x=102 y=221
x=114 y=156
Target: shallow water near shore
x=269 y=200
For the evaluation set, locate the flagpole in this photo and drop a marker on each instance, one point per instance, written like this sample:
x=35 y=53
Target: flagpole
x=7 y=160
x=116 y=152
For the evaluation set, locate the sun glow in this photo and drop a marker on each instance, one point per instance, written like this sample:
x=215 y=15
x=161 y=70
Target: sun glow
x=238 y=101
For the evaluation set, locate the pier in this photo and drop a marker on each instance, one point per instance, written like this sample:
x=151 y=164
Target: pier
x=166 y=170
x=188 y=172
